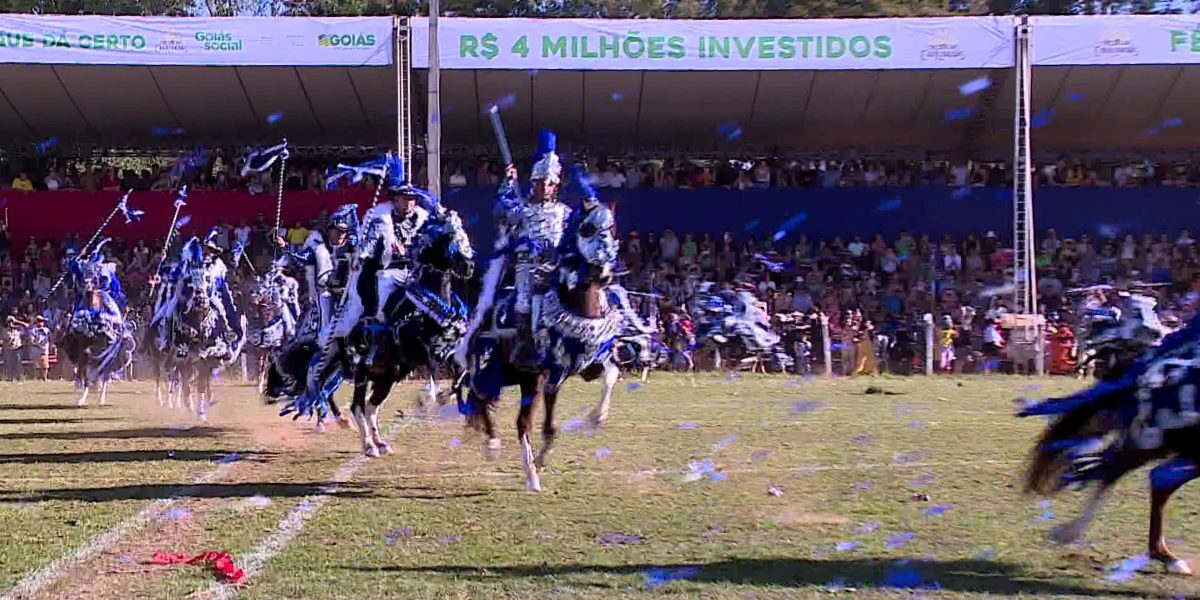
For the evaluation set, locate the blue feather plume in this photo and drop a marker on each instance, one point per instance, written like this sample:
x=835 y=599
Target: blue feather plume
x=132 y=215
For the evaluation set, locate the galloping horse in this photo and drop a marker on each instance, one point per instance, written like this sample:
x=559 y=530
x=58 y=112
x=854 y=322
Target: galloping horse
x=97 y=340
x=1098 y=435
x=199 y=327
x=425 y=322
x=273 y=318
x=577 y=329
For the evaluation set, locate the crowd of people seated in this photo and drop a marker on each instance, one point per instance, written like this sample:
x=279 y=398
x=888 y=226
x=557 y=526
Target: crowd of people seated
x=218 y=169
x=874 y=292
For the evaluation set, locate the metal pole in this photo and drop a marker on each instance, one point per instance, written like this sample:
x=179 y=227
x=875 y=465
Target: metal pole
x=397 y=58
x=928 y=318
x=433 y=133
x=826 y=347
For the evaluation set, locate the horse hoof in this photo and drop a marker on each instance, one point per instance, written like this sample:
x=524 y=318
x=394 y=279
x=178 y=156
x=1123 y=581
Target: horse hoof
x=343 y=422
x=319 y=428
x=534 y=486
x=492 y=451
x=1179 y=567
x=597 y=419
x=1065 y=534
x=371 y=451
x=384 y=448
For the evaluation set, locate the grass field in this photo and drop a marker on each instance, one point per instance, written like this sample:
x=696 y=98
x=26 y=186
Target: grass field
x=713 y=486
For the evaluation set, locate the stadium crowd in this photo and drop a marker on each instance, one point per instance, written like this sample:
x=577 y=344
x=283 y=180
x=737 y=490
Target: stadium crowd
x=875 y=292
x=217 y=169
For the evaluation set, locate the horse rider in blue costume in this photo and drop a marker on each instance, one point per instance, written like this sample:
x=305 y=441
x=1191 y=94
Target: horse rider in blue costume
x=531 y=230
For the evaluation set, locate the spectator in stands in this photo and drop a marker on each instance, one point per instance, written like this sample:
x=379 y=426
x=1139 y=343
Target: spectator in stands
x=297 y=234
x=11 y=340
x=22 y=183
x=109 y=181
x=37 y=337
x=55 y=180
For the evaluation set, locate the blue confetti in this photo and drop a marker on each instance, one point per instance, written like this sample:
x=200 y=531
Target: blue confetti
x=752 y=225
x=616 y=96
x=1106 y=230
x=985 y=554
x=505 y=102
x=620 y=539
x=974 y=86
x=922 y=481
x=1076 y=96
x=661 y=576
x=806 y=406
x=862 y=439
x=730 y=131
x=448 y=411
x=1150 y=132
x=160 y=132
x=453 y=538
x=183 y=221
x=937 y=510
x=867 y=527
x=1047 y=511
x=455 y=443
x=904 y=577
x=863 y=486
x=688 y=426
x=1172 y=122
x=574 y=425
x=889 y=205
x=958 y=114
x=170 y=454
x=46 y=144
x=603 y=453
x=1126 y=569
x=909 y=457
x=176 y=514
x=916 y=425
x=794 y=221
x=961 y=193
x=230 y=458
x=900 y=539
x=845 y=546
x=1041 y=118
x=717 y=477
x=779 y=235
x=725 y=442
x=758 y=456
x=397 y=534
x=275 y=117
x=633 y=386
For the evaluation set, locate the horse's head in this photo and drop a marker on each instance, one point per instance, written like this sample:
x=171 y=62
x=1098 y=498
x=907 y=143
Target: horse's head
x=445 y=247
x=195 y=293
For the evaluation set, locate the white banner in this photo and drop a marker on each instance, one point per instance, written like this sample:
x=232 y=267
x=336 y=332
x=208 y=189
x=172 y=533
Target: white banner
x=1116 y=40
x=718 y=45
x=235 y=41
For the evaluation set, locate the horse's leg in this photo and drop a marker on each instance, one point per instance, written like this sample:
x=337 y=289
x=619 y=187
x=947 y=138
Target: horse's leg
x=203 y=393
x=530 y=388
x=82 y=382
x=645 y=373
x=380 y=388
x=104 y=391
x=549 y=426
x=1071 y=531
x=358 y=410
x=600 y=413
x=1165 y=479
x=263 y=363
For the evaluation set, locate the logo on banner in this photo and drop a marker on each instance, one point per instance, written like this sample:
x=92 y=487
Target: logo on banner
x=943 y=46
x=219 y=41
x=1116 y=42
x=346 y=40
x=171 y=44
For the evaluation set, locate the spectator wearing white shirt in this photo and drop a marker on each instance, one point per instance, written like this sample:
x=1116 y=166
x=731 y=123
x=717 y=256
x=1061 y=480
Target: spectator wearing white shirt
x=241 y=234
x=54 y=181
x=952 y=261
x=611 y=177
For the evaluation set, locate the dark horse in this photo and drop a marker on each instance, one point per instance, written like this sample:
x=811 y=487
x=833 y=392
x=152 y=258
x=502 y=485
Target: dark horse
x=1097 y=436
x=97 y=341
x=578 y=330
x=425 y=322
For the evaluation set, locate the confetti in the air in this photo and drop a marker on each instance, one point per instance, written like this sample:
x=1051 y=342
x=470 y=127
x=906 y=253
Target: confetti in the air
x=183 y=221
x=845 y=546
x=774 y=491
x=889 y=205
x=46 y=144
x=1041 y=118
x=752 y=225
x=617 y=96
x=455 y=443
x=961 y=193
x=958 y=114
x=505 y=101
x=974 y=86
x=1172 y=122
x=275 y=117
x=730 y=131
x=1076 y=96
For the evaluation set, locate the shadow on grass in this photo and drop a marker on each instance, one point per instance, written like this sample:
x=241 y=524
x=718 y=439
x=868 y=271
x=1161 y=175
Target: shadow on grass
x=63 y=406
x=118 y=434
x=223 y=490
x=46 y=421
x=206 y=490
x=977 y=576
x=124 y=456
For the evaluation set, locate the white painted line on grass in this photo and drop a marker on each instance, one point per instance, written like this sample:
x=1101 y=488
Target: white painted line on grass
x=42 y=578
x=293 y=523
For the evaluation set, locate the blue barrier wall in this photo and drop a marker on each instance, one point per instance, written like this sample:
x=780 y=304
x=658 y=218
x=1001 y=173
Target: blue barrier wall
x=821 y=213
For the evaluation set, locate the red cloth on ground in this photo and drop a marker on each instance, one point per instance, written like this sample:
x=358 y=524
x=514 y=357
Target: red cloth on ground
x=221 y=562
